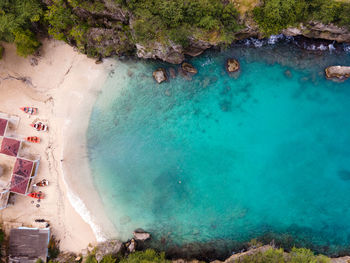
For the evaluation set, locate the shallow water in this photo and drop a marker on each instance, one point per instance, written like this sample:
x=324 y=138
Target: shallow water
x=227 y=157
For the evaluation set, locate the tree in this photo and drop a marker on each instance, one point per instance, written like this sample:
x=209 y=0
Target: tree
x=26 y=42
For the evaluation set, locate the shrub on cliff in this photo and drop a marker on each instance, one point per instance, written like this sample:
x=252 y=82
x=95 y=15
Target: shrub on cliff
x=297 y=255
x=147 y=256
x=157 y=19
x=275 y=15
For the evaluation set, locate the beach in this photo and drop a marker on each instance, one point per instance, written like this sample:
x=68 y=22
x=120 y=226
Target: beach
x=63 y=84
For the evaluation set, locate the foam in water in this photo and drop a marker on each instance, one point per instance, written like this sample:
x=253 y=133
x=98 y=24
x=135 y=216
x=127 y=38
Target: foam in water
x=227 y=157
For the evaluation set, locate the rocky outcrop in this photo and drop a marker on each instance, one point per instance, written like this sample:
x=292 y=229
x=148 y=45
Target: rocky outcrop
x=111 y=247
x=140 y=235
x=320 y=30
x=188 y=68
x=338 y=72
x=107 y=42
x=160 y=75
x=341 y=260
x=197 y=47
x=171 y=53
x=237 y=257
x=131 y=246
x=110 y=12
x=232 y=65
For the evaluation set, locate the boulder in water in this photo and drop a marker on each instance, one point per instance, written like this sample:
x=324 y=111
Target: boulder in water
x=232 y=65
x=338 y=72
x=188 y=68
x=172 y=72
x=141 y=235
x=160 y=75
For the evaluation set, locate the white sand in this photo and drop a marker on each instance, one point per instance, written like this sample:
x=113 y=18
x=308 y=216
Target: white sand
x=64 y=86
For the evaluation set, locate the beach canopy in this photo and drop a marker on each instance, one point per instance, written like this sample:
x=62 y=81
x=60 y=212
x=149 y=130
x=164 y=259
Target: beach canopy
x=10 y=146
x=19 y=184
x=3 y=126
x=21 y=176
x=23 y=167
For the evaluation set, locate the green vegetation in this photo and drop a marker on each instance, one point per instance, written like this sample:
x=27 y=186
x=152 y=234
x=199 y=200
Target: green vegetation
x=148 y=256
x=275 y=15
x=103 y=28
x=162 y=20
x=53 y=248
x=297 y=255
x=18 y=18
x=1 y=51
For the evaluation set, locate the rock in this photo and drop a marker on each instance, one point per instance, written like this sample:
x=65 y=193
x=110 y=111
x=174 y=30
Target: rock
x=187 y=67
x=160 y=75
x=142 y=236
x=320 y=31
x=338 y=72
x=110 y=247
x=107 y=41
x=167 y=92
x=238 y=257
x=132 y=246
x=232 y=65
x=197 y=47
x=33 y=62
x=172 y=72
x=345 y=259
x=288 y=73
x=171 y=53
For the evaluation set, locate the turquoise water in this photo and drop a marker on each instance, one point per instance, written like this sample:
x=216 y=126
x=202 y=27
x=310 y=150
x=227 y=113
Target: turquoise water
x=227 y=157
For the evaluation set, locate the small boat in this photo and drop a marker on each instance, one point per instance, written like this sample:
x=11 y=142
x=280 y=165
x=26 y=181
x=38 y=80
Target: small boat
x=33 y=139
x=39 y=126
x=29 y=110
x=37 y=195
x=42 y=183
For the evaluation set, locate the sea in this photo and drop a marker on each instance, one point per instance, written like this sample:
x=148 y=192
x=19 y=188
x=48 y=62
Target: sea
x=210 y=162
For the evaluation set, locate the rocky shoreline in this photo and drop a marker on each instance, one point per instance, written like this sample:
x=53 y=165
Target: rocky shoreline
x=116 y=248
x=175 y=54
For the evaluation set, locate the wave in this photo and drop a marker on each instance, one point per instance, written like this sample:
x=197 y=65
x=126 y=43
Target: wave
x=346 y=48
x=80 y=207
x=311 y=45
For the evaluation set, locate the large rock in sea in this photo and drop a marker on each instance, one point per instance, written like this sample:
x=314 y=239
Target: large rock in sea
x=188 y=68
x=141 y=235
x=160 y=75
x=232 y=65
x=338 y=72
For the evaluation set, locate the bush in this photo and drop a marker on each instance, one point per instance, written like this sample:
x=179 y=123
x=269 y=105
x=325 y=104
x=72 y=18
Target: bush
x=17 y=21
x=108 y=259
x=275 y=15
x=147 y=256
x=1 y=54
x=26 y=42
x=297 y=255
x=91 y=259
x=53 y=248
